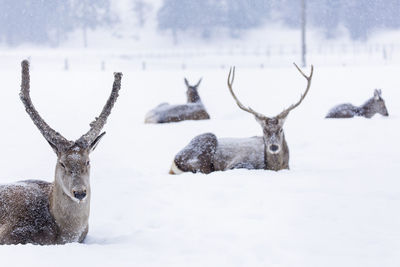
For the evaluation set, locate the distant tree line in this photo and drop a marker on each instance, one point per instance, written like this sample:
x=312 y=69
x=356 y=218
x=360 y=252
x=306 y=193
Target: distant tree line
x=359 y=17
x=205 y=16
x=49 y=21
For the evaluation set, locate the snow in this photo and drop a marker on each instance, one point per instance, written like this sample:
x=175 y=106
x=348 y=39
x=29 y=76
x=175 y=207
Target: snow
x=336 y=206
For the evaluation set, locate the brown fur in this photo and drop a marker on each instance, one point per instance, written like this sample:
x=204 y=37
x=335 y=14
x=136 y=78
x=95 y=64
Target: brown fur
x=197 y=156
x=25 y=215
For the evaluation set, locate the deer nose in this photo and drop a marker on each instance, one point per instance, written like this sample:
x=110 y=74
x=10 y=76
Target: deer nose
x=80 y=194
x=273 y=148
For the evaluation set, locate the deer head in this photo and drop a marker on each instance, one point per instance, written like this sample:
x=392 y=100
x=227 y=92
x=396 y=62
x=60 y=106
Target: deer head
x=192 y=92
x=378 y=104
x=73 y=164
x=274 y=138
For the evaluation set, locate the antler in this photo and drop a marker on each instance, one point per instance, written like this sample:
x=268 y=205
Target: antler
x=96 y=126
x=248 y=109
x=53 y=137
x=285 y=112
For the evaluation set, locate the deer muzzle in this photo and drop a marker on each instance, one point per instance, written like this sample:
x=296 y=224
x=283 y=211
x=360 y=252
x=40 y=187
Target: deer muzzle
x=273 y=148
x=79 y=194
x=273 y=144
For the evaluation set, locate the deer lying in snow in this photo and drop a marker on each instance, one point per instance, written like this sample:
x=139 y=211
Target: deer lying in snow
x=205 y=153
x=374 y=105
x=45 y=213
x=192 y=110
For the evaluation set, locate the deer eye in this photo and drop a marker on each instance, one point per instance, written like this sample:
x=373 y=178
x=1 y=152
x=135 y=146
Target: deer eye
x=280 y=130
x=62 y=165
x=87 y=163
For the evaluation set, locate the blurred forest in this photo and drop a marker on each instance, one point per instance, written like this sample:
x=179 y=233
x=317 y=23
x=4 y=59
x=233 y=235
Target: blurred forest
x=50 y=21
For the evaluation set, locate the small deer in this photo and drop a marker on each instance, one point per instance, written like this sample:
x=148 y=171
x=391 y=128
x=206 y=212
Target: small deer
x=45 y=213
x=374 y=105
x=192 y=110
x=205 y=153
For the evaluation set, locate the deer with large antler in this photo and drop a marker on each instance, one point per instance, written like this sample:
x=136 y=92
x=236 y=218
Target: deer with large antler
x=192 y=110
x=45 y=213
x=205 y=153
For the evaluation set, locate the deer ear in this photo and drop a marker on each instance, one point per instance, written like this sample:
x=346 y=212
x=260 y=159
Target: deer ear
x=377 y=94
x=94 y=144
x=55 y=149
x=186 y=82
x=198 y=83
x=281 y=121
x=261 y=121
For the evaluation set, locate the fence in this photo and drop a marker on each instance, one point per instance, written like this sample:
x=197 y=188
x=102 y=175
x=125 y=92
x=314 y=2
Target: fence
x=200 y=58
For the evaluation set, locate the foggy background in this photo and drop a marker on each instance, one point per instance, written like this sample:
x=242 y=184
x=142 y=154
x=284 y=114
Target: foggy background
x=51 y=22
x=186 y=34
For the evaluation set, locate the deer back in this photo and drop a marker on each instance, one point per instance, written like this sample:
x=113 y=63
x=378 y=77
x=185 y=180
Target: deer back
x=174 y=113
x=346 y=110
x=25 y=215
x=197 y=156
x=237 y=153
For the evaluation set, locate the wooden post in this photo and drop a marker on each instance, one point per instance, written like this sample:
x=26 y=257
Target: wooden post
x=303 y=33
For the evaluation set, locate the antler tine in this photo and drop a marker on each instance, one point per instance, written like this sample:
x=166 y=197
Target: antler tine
x=53 y=137
x=285 y=112
x=97 y=125
x=240 y=105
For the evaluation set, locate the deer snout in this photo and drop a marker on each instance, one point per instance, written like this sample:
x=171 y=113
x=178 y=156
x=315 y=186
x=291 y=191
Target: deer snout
x=273 y=148
x=81 y=194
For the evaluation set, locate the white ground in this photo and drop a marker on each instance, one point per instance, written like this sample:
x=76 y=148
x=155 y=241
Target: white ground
x=338 y=205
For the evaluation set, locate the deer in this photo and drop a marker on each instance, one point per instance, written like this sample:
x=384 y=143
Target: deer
x=44 y=213
x=192 y=110
x=374 y=105
x=206 y=153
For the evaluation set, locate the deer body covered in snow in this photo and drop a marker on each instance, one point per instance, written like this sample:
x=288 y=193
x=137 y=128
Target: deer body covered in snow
x=374 y=105
x=207 y=153
x=45 y=213
x=192 y=110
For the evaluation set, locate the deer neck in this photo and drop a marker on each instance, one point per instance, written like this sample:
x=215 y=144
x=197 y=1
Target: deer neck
x=368 y=109
x=70 y=215
x=277 y=161
x=193 y=97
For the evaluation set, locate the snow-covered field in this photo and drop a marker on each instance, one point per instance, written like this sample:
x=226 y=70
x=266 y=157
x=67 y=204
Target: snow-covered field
x=336 y=206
